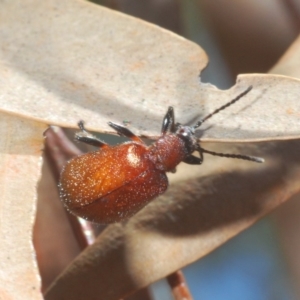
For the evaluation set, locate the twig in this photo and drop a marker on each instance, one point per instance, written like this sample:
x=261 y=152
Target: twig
x=179 y=286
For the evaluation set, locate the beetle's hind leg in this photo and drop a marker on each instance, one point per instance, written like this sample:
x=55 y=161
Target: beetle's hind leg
x=87 y=138
x=193 y=160
x=123 y=131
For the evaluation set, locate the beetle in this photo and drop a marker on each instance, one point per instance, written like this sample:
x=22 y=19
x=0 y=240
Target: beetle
x=115 y=182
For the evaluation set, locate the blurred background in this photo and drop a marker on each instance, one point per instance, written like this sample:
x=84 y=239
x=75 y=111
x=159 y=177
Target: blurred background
x=239 y=37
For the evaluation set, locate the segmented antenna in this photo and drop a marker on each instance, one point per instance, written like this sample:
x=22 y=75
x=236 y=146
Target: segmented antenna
x=199 y=123
x=230 y=155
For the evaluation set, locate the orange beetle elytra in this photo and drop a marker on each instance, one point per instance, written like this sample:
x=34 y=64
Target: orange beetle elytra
x=115 y=182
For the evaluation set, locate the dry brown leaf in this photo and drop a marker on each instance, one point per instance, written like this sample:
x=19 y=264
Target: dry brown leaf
x=90 y=63
x=20 y=169
x=192 y=218
x=287 y=217
x=94 y=64
x=99 y=65
x=289 y=63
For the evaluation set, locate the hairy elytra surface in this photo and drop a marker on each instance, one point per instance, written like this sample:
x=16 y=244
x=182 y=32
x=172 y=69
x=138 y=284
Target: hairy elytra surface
x=118 y=182
x=115 y=182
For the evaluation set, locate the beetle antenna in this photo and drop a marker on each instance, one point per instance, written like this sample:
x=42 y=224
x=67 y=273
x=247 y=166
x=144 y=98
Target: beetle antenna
x=199 y=123
x=238 y=156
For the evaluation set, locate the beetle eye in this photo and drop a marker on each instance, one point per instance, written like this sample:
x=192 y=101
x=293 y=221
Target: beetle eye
x=182 y=131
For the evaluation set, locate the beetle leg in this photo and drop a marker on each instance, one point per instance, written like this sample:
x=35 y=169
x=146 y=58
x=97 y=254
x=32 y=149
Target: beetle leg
x=168 y=121
x=232 y=155
x=193 y=160
x=200 y=151
x=87 y=138
x=123 y=131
